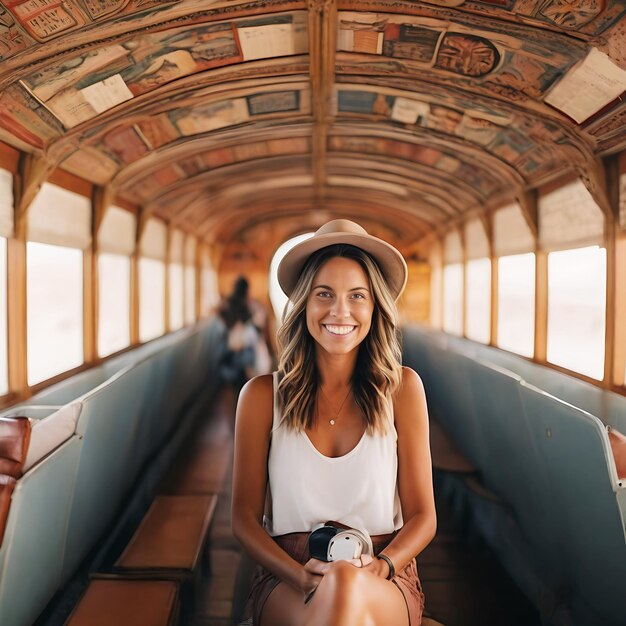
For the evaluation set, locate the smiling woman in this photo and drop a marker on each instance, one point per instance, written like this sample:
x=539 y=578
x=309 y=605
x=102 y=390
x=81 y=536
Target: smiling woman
x=339 y=432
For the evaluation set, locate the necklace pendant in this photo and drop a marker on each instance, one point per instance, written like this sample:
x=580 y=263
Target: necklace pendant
x=331 y=422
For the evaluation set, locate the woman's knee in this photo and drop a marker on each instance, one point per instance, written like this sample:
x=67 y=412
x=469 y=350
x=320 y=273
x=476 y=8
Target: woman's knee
x=355 y=596
x=338 y=599
x=344 y=585
x=346 y=574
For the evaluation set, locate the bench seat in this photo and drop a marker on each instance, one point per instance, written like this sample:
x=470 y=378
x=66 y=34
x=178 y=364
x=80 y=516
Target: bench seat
x=71 y=500
x=558 y=522
x=111 y=602
x=171 y=538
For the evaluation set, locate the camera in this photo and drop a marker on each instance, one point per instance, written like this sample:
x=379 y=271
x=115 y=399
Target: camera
x=329 y=543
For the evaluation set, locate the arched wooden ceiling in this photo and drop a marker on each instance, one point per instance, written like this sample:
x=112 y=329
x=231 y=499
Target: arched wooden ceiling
x=220 y=115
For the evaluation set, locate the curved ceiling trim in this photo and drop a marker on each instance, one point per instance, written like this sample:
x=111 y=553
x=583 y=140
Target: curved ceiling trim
x=438 y=107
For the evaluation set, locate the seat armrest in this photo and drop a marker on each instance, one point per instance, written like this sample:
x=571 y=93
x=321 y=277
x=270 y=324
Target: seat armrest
x=14 y=442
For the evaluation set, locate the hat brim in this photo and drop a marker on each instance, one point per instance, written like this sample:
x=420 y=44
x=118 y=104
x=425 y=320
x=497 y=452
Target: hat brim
x=389 y=260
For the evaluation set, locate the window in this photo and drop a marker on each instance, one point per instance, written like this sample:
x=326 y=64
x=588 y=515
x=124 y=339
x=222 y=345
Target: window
x=190 y=280
x=177 y=280
x=6 y=203
x=453 y=283
x=210 y=296
x=59 y=217
x=113 y=303
x=4 y=375
x=478 y=310
x=511 y=233
x=54 y=314
x=478 y=281
x=152 y=248
x=151 y=298
x=116 y=241
x=435 y=261
x=576 y=309
x=569 y=218
x=452 y=298
x=516 y=303
x=190 y=294
x=176 y=296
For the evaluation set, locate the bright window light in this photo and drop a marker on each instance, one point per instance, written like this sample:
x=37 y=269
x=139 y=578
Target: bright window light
x=176 y=296
x=151 y=298
x=4 y=376
x=210 y=296
x=516 y=303
x=113 y=303
x=479 y=299
x=576 y=310
x=453 y=298
x=190 y=294
x=54 y=312
x=277 y=297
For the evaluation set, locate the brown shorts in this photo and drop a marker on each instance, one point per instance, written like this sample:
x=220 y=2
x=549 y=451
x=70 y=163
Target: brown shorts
x=296 y=545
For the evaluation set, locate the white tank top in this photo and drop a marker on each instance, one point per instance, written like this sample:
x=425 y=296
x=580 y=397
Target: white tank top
x=306 y=488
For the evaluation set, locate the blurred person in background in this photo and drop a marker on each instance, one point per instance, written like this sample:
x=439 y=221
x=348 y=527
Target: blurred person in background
x=246 y=351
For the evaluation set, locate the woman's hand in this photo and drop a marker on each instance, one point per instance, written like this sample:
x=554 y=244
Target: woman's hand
x=317 y=567
x=376 y=566
x=312 y=574
x=314 y=571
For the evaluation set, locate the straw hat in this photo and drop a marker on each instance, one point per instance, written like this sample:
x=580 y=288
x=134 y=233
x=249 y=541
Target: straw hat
x=389 y=260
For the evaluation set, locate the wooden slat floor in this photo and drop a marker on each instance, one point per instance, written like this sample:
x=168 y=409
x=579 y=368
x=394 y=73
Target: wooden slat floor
x=463 y=583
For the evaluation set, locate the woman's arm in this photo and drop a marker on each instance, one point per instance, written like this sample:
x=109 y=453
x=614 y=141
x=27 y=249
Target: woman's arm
x=415 y=482
x=252 y=440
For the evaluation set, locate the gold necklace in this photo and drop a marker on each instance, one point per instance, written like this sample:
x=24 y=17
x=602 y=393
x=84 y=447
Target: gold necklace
x=332 y=420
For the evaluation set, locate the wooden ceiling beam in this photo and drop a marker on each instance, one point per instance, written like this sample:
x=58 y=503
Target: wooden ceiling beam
x=143 y=214
x=199 y=144
x=307 y=220
x=338 y=199
x=528 y=202
x=322 y=44
x=102 y=199
x=33 y=171
x=276 y=207
x=612 y=179
x=241 y=172
x=191 y=206
x=461 y=194
x=486 y=219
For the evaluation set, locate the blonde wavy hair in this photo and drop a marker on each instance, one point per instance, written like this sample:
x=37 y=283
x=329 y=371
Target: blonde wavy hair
x=378 y=372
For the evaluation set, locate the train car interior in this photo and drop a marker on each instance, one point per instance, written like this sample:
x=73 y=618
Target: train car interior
x=152 y=152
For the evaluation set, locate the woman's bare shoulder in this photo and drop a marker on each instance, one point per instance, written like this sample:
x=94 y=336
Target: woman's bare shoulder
x=256 y=401
x=259 y=386
x=411 y=381
x=411 y=398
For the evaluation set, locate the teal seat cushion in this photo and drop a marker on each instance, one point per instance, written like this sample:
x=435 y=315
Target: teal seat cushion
x=31 y=556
